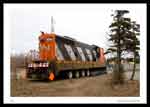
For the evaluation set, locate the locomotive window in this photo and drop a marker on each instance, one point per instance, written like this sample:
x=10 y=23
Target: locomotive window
x=41 y=46
x=49 y=39
x=81 y=53
x=42 y=39
x=44 y=47
x=89 y=54
x=70 y=51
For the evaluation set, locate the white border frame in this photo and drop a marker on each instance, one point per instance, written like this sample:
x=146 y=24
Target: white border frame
x=9 y=99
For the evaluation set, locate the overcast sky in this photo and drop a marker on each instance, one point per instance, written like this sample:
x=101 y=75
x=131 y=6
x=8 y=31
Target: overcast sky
x=87 y=23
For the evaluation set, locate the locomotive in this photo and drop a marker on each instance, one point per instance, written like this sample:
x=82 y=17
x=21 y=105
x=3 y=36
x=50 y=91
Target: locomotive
x=63 y=56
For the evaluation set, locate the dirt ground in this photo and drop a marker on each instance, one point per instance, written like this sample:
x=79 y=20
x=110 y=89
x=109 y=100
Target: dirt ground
x=85 y=86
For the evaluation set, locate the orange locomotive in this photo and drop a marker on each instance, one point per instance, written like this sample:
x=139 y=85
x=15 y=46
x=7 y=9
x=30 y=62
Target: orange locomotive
x=62 y=56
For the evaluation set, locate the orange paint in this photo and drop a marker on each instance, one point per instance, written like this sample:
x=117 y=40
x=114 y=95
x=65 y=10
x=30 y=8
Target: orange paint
x=102 y=57
x=47 y=46
x=51 y=76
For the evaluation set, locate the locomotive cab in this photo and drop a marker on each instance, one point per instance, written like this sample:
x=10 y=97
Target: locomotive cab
x=47 y=46
x=41 y=69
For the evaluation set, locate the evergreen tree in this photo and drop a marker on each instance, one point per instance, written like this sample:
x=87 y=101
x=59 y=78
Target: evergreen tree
x=119 y=30
x=124 y=38
x=133 y=43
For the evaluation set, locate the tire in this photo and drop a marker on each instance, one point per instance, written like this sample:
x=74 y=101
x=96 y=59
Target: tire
x=88 y=73
x=83 y=73
x=77 y=74
x=70 y=75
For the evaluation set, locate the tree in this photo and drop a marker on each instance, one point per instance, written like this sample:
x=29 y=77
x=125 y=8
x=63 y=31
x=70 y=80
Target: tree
x=119 y=31
x=123 y=36
x=133 y=44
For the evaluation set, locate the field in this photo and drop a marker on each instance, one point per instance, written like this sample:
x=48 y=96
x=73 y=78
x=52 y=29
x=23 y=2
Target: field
x=86 y=86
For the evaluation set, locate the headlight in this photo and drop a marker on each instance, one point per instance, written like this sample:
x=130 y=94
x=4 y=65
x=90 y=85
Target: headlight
x=46 y=64
x=40 y=65
x=43 y=64
x=29 y=65
x=34 y=65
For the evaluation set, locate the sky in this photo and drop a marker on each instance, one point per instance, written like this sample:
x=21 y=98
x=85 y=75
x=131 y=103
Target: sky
x=88 y=23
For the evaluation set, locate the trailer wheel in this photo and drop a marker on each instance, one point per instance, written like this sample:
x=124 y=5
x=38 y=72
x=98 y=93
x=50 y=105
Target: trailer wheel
x=88 y=73
x=70 y=75
x=77 y=74
x=83 y=73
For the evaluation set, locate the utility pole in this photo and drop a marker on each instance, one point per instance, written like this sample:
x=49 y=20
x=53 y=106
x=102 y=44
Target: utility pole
x=52 y=24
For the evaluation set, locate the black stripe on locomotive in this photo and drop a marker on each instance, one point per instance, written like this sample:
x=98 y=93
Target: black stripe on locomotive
x=62 y=40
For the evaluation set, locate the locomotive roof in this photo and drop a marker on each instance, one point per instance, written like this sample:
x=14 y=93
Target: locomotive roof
x=76 y=41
